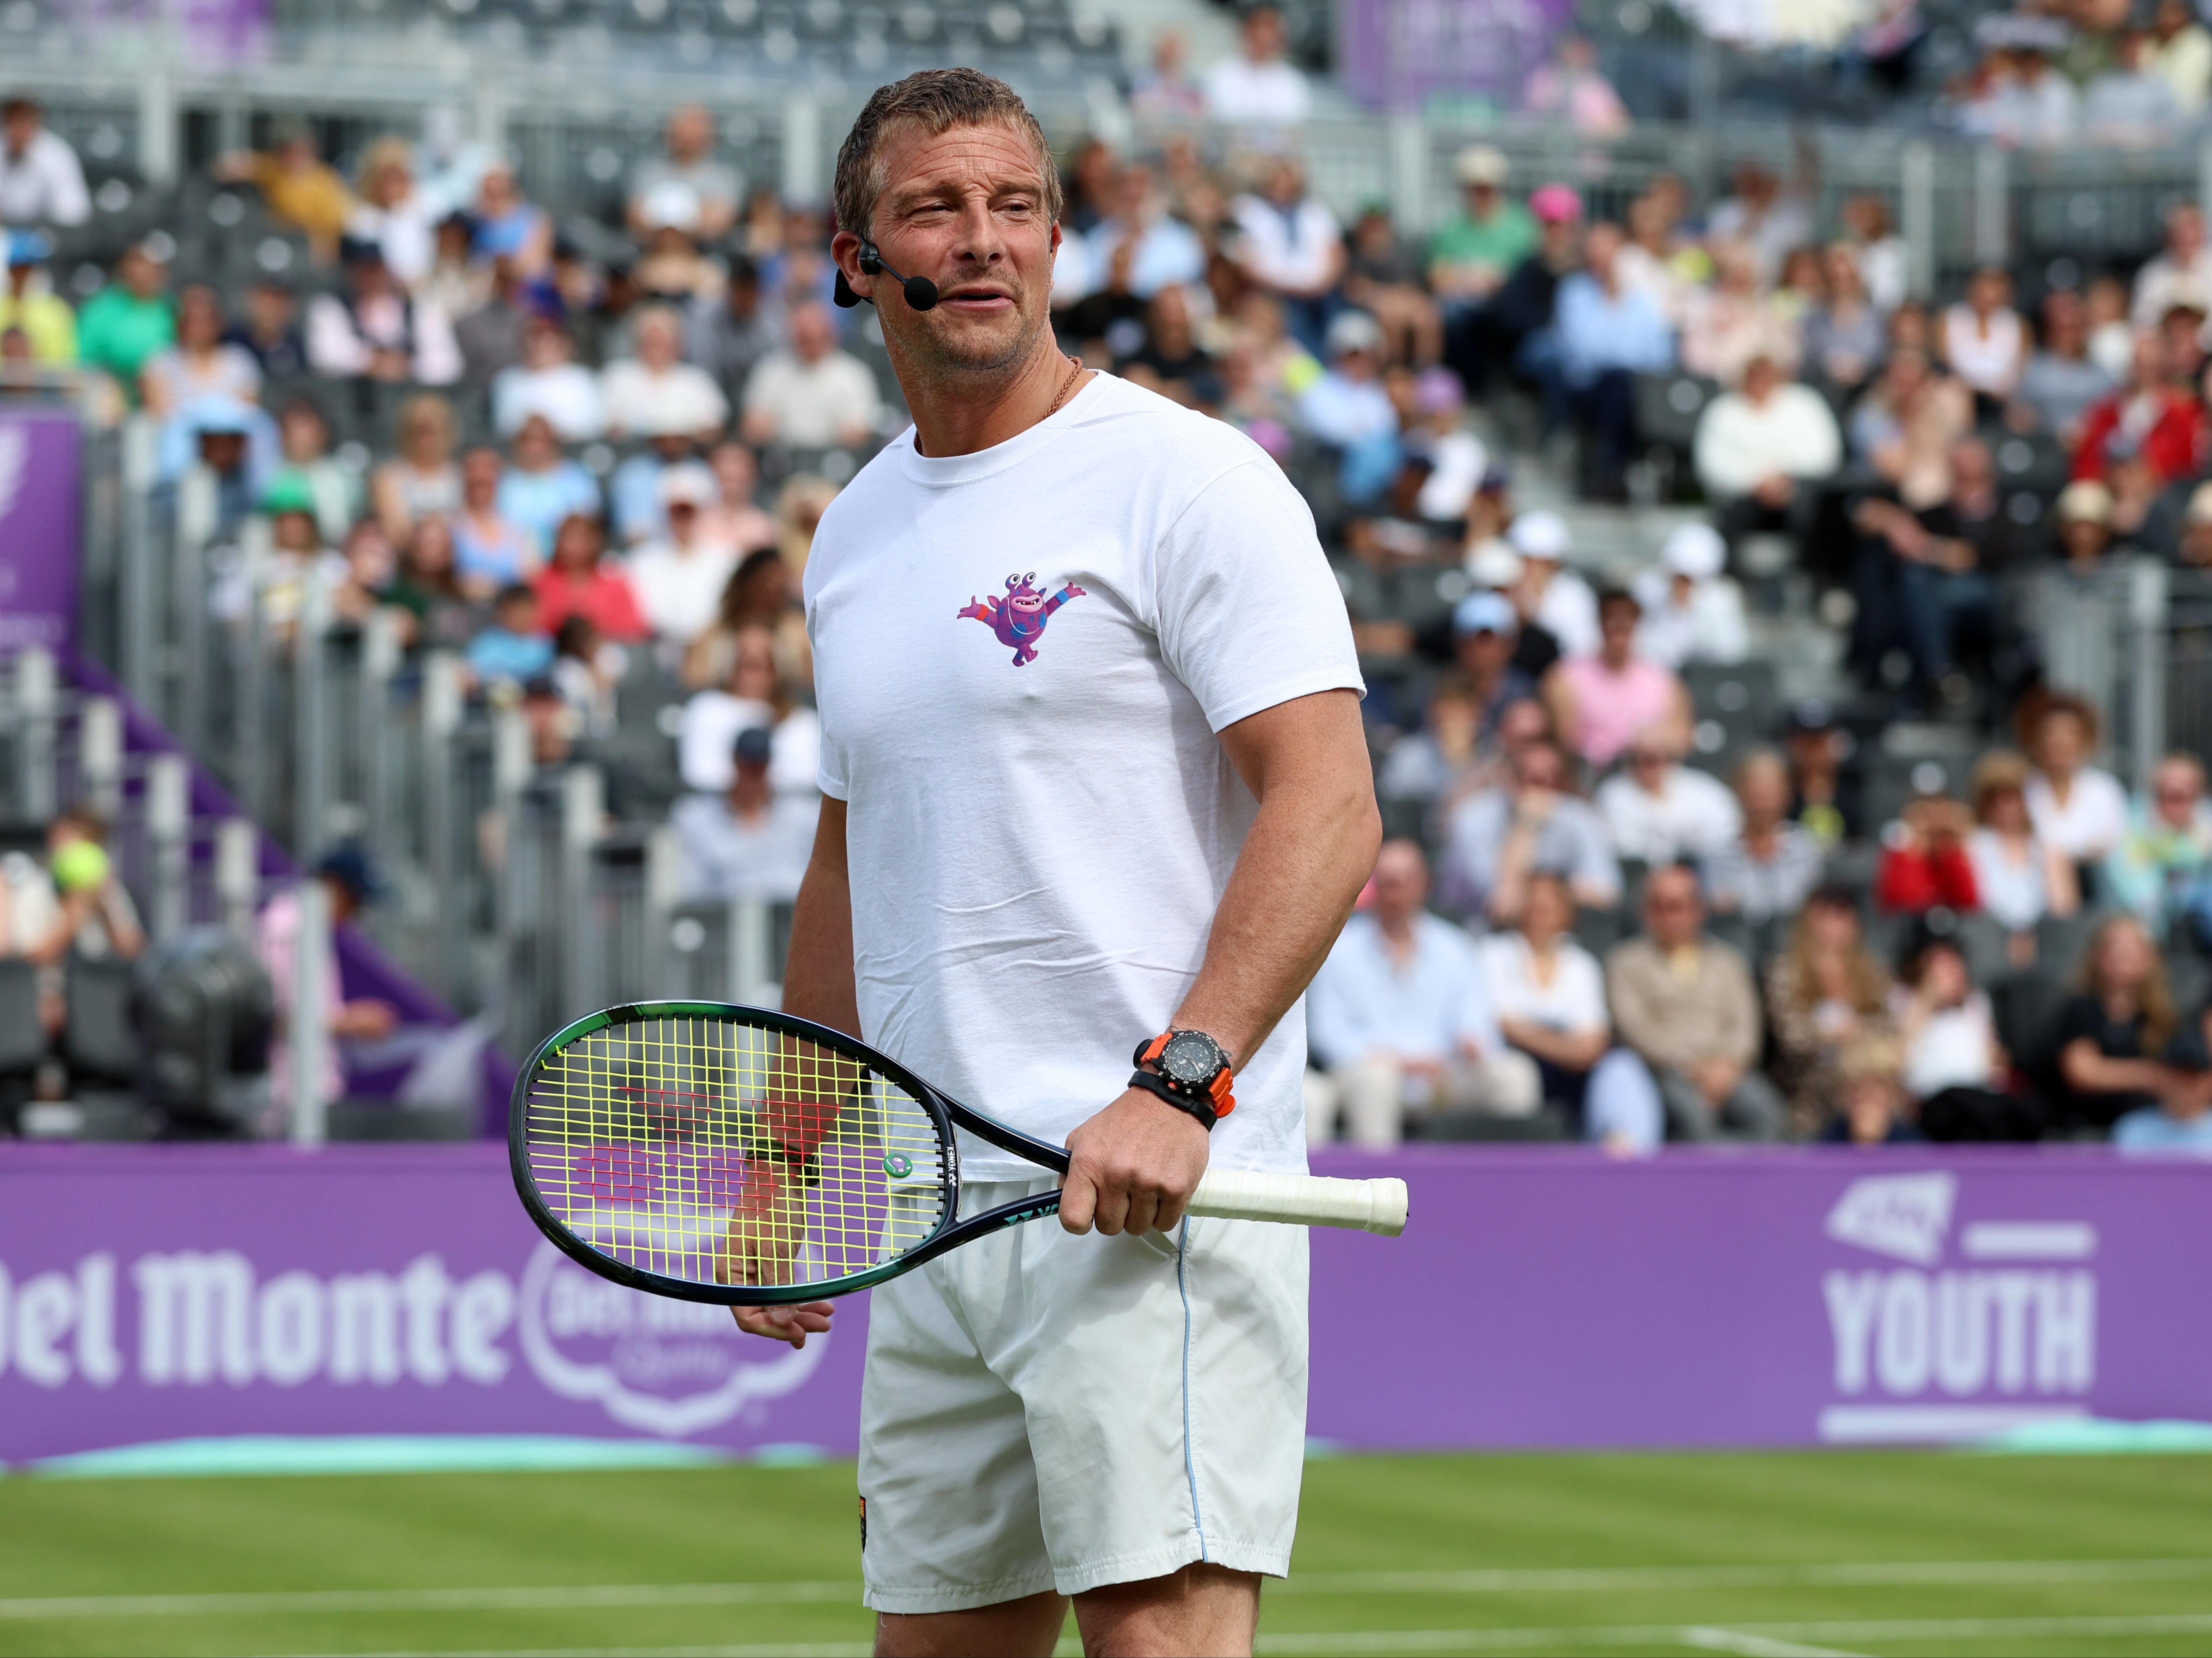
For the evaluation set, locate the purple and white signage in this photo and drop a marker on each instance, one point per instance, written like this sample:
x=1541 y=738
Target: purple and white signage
x=41 y=503
x=1547 y=1299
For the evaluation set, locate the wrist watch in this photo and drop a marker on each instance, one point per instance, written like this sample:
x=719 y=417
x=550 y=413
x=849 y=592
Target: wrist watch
x=1189 y=1071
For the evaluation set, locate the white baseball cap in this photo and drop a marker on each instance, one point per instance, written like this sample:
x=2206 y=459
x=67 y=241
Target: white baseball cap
x=1695 y=550
x=1541 y=535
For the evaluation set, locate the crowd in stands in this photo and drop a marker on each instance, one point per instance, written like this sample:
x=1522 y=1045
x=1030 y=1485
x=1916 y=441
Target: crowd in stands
x=600 y=472
x=2054 y=73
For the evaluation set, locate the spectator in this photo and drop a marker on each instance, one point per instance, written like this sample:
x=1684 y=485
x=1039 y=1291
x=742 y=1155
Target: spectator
x=2150 y=415
x=1884 y=260
x=1166 y=91
x=1549 y=596
x=200 y=365
x=542 y=486
x=73 y=904
x=2061 y=383
x=575 y=582
x=371 y=566
x=1163 y=252
x=349 y=881
x=549 y=382
x=298 y=187
x=1601 y=703
x=1983 y=340
x=586 y=671
x=1381 y=277
x=2082 y=515
x=1470 y=258
x=2182 y=57
x=2111 y=335
x=689 y=165
x=1400 y=1022
x=1824 y=797
x=728 y=335
x=459 y=285
x=421 y=480
x=1871 y=1106
x=756 y=693
x=811 y=395
x=270 y=329
x=1826 y=992
x=2018 y=880
x=1691 y=612
x=1686 y=1003
x=509 y=227
x=1171 y=361
x=761 y=594
x=1607 y=334
x=735 y=518
x=2079 y=809
x=28 y=301
x=1658 y=810
x=672 y=269
x=1841 y=339
x=635 y=488
x=1430 y=769
x=514 y=649
x=442 y=614
x=395 y=214
x=1763 y=217
x=1929 y=575
x=130 y=321
x=1954 y=1065
x=1772 y=865
x=1924 y=863
x=1572 y=88
x=1496 y=838
x=372 y=330
x=1485 y=628
x=2122 y=1055
x=2179 y=273
x=1760 y=448
x=40 y=179
x=750 y=841
x=2161 y=870
x=678 y=578
x=303 y=438
x=1548 y=993
x=1288 y=248
x=493 y=335
x=656 y=390
x=491 y=549
x=1735 y=321
x=1256 y=87
x=1349 y=410
x=1510 y=329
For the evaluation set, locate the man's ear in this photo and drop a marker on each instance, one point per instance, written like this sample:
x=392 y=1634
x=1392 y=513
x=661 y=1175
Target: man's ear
x=845 y=253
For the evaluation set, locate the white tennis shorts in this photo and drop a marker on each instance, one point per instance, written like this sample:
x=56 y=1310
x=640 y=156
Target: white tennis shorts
x=1047 y=1411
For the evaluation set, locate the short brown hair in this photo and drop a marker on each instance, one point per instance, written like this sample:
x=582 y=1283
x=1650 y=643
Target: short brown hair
x=937 y=101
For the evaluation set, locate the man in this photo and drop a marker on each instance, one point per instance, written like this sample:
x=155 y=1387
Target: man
x=678 y=578
x=1401 y=1023
x=748 y=841
x=2160 y=868
x=299 y=188
x=1256 y=87
x=1047 y=840
x=1497 y=838
x=372 y=330
x=269 y=332
x=1485 y=633
x=1759 y=448
x=132 y=320
x=28 y=301
x=549 y=382
x=1552 y=599
x=1290 y=247
x=1660 y=812
x=1510 y=328
x=1163 y=251
x=1687 y=1003
x=657 y=390
x=2060 y=383
x=492 y=337
x=1347 y=408
x=690 y=165
x=2182 y=269
x=40 y=179
x=810 y=396
x=729 y=334
x=1471 y=258
x=1692 y=611
x=1608 y=333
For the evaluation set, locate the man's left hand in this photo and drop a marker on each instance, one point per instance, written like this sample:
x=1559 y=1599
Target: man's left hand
x=1132 y=1167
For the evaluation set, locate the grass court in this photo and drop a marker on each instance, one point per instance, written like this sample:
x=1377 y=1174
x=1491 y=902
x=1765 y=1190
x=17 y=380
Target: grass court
x=1767 y=1555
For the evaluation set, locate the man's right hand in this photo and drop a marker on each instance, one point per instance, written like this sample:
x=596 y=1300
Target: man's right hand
x=791 y=1324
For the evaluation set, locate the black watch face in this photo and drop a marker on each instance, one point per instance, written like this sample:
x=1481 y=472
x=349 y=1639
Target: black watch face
x=1190 y=1059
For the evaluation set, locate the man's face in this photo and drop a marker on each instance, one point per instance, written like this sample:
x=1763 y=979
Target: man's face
x=690 y=134
x=1401 y=879
x=1485 y=652
x=810 y=335
x=1263 y=35
x=2175 y=788
x=20 y=127
x=967 y=210
x=1673 y=912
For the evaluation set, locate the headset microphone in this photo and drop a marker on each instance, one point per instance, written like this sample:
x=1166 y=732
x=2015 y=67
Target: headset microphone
x=921 y=292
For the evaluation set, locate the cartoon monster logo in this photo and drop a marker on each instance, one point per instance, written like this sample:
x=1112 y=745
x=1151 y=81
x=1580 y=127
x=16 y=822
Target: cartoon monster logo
x=1018 y=619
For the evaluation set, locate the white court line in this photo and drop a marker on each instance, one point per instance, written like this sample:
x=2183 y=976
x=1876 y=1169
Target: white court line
x=1747 y=1645
x=1574 y=1580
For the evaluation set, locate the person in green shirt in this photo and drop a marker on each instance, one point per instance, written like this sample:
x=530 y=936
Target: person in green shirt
x=28 y=301
x=130 y=320
x=1472 y=255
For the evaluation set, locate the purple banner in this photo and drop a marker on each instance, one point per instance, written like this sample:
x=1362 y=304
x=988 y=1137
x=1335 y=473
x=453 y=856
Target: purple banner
x=1405 y=54
x=41 y=503
x=1538 y=1299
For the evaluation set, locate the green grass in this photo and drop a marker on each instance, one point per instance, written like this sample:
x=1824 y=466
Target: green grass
x=1752 y=1554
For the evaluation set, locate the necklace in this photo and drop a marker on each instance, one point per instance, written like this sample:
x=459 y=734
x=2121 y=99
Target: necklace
x=1074 y=373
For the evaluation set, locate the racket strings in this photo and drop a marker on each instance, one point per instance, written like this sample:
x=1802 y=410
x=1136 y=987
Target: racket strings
x=713 y=1151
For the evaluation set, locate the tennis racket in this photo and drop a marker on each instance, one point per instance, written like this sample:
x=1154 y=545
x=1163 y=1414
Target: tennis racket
x=733 y=1155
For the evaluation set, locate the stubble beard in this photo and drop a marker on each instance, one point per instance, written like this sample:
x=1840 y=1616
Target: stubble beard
x=971 y=368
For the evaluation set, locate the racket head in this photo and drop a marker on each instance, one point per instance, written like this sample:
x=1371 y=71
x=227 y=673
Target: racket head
x=654 y=1143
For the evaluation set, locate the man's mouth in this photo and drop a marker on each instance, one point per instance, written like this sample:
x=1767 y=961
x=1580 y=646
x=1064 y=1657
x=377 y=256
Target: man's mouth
x=978 y=297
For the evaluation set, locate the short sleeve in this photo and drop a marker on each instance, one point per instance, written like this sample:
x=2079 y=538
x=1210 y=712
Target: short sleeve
x=1247 y=613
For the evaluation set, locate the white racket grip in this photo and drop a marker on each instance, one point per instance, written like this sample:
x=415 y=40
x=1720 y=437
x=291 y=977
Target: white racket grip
x=1366 y=1205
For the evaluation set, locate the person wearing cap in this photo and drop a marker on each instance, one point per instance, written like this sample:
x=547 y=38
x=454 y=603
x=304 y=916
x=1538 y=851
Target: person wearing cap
x=41 y=181
x=670 y=267
x=1290 y=248
x=688 y=162
x=678 y=576
x=809 y=394
x=2083 y=517
x=1608 y=333
x=1759 y=447
x=1347 y=407
x=749 y=840
x=371 y=328
x=656 y=390
x=1472 y=256
x=1485 y=631
x=1692 y=611
x=1501 y=331
x=351 y=881
x=28 y=301
x=132 y=319
x=1549 y=595
x=231 y=446
x=297 y=185
x=549 y=382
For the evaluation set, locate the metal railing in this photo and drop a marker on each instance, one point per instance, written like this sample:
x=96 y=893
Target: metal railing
x=2134 y=637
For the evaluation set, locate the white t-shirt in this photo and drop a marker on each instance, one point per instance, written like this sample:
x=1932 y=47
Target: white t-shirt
x=679 y=589
x=1573 y=1003
x=1246 y=93
x=2092 y=820
x=1953 y=1049
x=640 y=402
x=1692 y=815
x=1041 y=820
x=2013 y=895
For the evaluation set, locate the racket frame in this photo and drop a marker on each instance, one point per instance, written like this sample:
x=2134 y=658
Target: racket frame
x=944 y=1112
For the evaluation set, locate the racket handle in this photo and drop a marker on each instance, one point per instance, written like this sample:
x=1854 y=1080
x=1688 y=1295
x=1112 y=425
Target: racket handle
x=1364 y=1205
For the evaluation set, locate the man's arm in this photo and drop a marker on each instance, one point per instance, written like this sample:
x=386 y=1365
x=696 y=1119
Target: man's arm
x=1311 y=849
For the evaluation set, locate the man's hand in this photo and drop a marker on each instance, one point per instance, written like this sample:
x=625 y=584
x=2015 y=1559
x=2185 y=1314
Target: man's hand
x=1775 y=490
x=1132 y=1167
x=1716 y=1078
x=766 y=1229
x=791 y=1324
